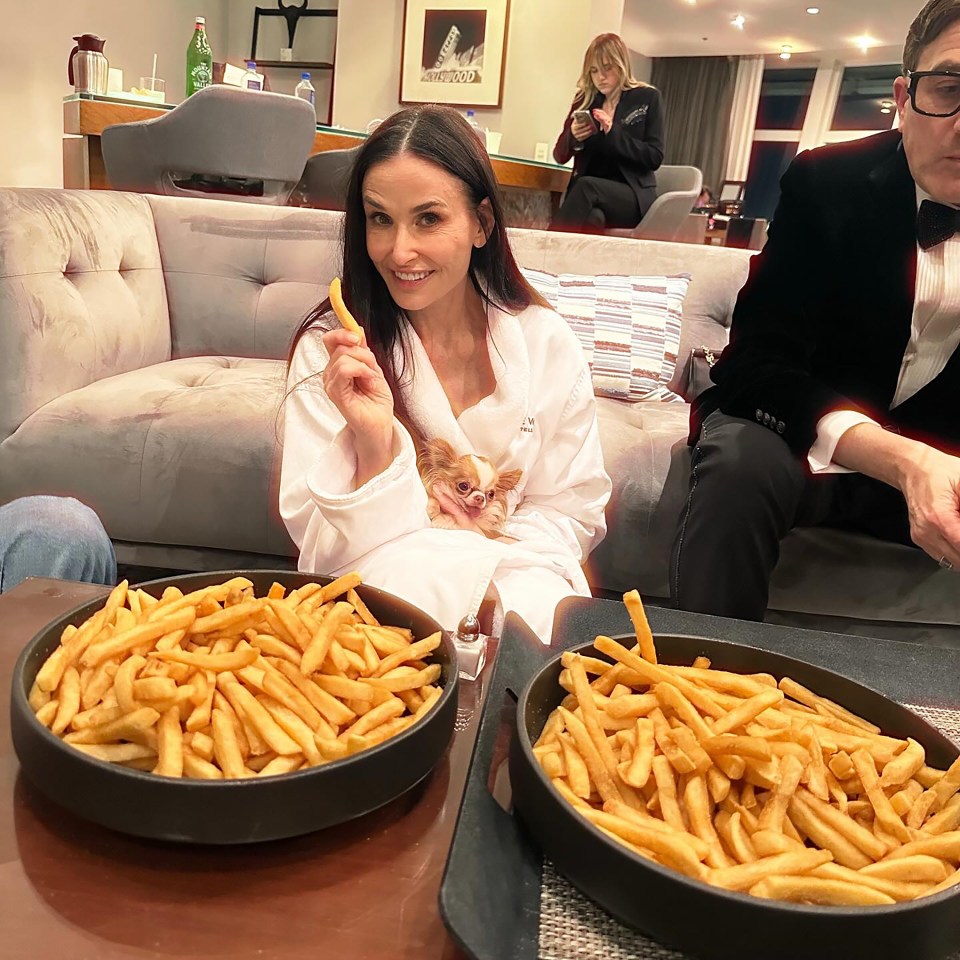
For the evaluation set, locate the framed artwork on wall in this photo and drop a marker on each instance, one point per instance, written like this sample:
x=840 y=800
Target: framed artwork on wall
x=454 y=52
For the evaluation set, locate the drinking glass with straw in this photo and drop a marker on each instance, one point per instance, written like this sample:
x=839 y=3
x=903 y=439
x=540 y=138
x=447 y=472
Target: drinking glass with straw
x=153 y=86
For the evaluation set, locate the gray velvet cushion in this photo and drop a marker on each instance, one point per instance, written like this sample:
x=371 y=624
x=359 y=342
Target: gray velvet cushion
x=240 y=279
x=181 y=452
x=81 y=294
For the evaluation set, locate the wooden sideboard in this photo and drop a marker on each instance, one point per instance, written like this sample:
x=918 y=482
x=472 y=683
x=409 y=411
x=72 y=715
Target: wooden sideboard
x=85 y=119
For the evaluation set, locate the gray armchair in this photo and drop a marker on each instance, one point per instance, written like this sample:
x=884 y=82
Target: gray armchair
x=677 y=190
x=324 y=181
x=239 y=144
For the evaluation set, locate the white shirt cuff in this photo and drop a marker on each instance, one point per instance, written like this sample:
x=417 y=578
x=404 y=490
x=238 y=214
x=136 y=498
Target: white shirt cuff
x=830 y=428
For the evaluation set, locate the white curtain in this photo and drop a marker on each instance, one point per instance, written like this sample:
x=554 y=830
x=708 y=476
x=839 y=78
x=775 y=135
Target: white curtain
x=743 y=117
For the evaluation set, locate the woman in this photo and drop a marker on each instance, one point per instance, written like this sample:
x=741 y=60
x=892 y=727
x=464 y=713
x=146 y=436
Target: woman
x=457 y=346
x=614 y=132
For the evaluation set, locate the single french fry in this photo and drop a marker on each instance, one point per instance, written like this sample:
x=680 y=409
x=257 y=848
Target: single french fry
x=169 y=745
x=117 y=752
x=242 y=700
x=200 y=768
x=294 y=727
x=743 y=876
x=319 y=645
x=696 y=800
x=340 y=586
x=414 y=652
x=124 y=728
x=902 y=768
x=409 y=679
x=363 y=611
x=669 y=847
x=916 y=868
x=771 y=817
x=217 y=662
x=897 y=890
x=68 y=700
x=829 y=834
x=577 y=774
x=373 y=718
x=332 y=709
x=226 y=747
x=806 y=889
x=864 y=765
x=641 y=627
x=124 y=642
x=945 y=846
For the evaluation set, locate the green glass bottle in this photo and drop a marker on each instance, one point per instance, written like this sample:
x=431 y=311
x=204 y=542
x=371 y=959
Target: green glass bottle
x=199 y=59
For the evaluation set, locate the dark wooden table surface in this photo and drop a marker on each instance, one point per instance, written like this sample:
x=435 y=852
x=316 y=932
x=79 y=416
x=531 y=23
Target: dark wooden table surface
x=70 y=890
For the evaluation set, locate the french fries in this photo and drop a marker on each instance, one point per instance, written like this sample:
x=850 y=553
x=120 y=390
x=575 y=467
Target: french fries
x=747 y=783
x=220 y=684
x=345 y=317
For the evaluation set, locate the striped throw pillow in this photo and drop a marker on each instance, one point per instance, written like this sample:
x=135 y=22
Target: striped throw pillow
x=629 y=328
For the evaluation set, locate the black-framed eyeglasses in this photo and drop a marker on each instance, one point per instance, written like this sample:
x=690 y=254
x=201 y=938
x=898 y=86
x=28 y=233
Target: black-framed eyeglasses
x=934 y=93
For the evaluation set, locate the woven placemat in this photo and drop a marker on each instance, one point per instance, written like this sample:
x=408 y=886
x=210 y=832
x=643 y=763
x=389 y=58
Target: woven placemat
x=573 y=927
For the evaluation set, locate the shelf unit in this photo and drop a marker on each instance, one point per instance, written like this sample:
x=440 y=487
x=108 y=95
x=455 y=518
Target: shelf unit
x=293 y=15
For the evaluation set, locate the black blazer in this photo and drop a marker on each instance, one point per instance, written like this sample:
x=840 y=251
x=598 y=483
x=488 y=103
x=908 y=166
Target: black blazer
x=824 y=317
x=636 y=136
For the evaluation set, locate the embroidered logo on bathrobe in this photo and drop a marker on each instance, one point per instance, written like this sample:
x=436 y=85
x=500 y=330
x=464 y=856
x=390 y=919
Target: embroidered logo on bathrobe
x=527 y=424
x=634 y=116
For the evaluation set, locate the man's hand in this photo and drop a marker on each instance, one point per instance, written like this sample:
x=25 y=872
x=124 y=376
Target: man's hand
x=928 y=479
x=931 y=487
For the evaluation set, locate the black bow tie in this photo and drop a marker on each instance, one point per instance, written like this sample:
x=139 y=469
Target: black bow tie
x=936 y=223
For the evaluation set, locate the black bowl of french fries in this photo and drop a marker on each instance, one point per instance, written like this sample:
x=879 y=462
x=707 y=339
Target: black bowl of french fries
x=233 y=707
x=732 y=802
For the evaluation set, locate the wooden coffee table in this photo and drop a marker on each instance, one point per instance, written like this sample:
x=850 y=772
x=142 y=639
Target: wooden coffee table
x=71 y=890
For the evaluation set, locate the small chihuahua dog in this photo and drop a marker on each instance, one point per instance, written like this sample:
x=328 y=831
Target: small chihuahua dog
x=464 y=492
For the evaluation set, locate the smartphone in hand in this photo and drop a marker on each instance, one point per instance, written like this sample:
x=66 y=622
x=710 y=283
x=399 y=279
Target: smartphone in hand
x=584 y=116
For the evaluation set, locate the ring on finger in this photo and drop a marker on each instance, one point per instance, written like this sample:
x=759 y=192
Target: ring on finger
x=945 y=563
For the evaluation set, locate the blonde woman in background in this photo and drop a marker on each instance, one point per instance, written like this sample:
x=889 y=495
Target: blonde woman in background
x=614 y=132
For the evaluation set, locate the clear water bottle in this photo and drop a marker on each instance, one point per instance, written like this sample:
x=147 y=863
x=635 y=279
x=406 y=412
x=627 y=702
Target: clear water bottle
x=251 y=80
x=477 y=129
x=305 y=91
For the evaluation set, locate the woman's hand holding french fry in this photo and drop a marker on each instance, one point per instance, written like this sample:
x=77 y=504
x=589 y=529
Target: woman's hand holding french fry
x=358 y=389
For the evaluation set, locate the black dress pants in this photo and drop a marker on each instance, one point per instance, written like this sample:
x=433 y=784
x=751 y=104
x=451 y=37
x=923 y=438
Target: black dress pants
x=747 y=491
x=593 y=203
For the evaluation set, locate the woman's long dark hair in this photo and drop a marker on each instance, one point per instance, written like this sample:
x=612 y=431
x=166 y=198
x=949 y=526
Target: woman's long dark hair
x=442 y=136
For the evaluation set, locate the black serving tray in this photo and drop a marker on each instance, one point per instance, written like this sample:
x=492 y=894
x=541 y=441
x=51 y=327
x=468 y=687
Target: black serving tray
x=491 y=889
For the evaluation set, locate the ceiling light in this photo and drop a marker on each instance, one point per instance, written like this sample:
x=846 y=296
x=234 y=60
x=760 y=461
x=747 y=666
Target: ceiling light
x=886 y=106
x=738 y=21
x=813 y=10
x=785 y=51
x=865 y=43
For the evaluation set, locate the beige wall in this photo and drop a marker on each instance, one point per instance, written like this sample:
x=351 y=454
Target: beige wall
x=33 y=67
x=545 y=44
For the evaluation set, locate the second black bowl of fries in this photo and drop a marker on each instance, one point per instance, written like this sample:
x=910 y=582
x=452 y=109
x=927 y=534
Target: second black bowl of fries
x=235 y=706
x=731 y=802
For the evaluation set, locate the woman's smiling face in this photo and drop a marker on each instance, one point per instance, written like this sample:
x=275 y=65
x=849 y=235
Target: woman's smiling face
x=421 y=230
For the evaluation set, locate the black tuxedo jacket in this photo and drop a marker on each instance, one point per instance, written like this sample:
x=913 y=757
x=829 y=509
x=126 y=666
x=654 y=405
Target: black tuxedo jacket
x=636 y=136
x=824 y=317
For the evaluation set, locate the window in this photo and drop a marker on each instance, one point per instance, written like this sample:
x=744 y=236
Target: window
x=863 y=90
x=768 y=161
x=784 y=97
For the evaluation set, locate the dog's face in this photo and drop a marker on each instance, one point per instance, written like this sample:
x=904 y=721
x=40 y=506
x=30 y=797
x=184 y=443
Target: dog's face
x=474 y=482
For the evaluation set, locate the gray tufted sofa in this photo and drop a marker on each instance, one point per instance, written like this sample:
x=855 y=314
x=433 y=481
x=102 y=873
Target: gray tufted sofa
x=142 y=348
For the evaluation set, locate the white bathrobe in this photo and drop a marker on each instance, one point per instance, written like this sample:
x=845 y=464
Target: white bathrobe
x=541 y=418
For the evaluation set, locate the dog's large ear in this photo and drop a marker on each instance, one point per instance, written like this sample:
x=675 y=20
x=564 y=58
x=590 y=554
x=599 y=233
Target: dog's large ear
x=509 y=480
x=436 y=453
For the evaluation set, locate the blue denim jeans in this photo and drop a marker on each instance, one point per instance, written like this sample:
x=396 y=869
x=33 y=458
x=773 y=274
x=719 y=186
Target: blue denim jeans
x=53 y=537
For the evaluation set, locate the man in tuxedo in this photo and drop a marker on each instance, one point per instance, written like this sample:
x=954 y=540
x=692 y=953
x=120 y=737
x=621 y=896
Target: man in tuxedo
x=837 y=401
